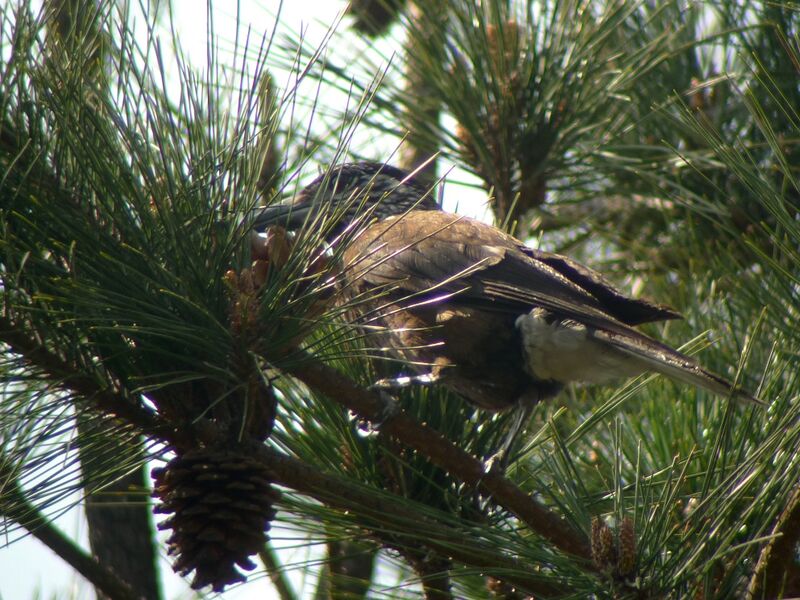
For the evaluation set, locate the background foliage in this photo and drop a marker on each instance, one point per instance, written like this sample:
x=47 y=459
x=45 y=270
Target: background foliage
x=655 y=141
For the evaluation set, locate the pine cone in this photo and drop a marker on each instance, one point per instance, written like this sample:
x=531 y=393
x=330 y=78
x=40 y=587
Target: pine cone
x=220 y=507
x=603 y=550
x=627 y=548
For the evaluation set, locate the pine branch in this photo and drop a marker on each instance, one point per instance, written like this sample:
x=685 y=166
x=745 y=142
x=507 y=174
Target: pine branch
x=16 y=507
x=387 y=514
x=118 y=514
x=350 y=566
x=394 y=422
x=308 y=480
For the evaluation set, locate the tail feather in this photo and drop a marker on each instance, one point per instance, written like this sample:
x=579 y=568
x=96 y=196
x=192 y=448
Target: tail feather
x=659 y=357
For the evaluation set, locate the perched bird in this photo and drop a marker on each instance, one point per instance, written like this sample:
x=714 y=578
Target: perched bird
x=466 y=305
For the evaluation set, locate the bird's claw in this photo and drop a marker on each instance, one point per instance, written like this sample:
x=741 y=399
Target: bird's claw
x=398 y=383
x=497 y=462
x=388 y=409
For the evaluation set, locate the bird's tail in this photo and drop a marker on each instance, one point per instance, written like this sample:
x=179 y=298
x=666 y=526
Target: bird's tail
x=658 y=357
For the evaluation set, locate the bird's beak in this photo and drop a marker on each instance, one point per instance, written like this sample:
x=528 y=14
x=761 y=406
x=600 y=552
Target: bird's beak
x=289 y=214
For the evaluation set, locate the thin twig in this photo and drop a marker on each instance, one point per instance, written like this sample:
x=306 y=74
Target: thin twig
x=393 y=421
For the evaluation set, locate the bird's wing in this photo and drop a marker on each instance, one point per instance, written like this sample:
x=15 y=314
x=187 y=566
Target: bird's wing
x=437 y=252
x=632 y=311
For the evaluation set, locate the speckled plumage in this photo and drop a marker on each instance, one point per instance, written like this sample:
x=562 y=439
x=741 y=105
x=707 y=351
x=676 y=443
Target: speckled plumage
x=352 y=191
x=494 y=320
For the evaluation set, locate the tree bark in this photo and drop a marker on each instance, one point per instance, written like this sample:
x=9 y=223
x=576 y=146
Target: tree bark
x=119 y=516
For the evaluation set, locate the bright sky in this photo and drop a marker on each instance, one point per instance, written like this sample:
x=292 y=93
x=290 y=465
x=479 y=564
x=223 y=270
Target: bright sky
x=27 y=568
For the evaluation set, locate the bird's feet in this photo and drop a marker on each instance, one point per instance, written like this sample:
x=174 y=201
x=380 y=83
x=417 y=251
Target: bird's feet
x=389 y=407
x=497 y=462
x=398 y=383
x=508 y=451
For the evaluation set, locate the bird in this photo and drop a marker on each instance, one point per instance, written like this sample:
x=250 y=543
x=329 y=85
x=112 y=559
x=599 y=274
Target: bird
x=465 y=305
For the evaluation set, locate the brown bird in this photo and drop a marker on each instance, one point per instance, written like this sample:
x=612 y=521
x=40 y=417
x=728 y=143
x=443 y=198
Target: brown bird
x=468 y=306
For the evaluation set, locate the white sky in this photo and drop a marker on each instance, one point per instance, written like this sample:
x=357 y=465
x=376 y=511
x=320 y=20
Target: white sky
x=27 y=568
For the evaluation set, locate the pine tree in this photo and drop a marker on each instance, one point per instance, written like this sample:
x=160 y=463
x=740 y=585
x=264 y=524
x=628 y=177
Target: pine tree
x=141 y=320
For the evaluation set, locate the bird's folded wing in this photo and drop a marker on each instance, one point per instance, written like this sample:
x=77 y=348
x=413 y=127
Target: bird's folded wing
x=440 y=252
x=631 y=311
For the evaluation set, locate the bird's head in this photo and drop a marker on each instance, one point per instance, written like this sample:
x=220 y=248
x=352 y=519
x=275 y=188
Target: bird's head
x=347 y=193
